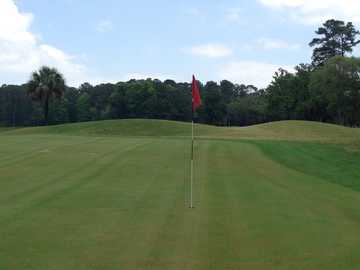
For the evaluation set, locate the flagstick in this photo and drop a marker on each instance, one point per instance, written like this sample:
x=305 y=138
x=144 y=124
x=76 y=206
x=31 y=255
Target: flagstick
x=196 y=102
x=192 y=164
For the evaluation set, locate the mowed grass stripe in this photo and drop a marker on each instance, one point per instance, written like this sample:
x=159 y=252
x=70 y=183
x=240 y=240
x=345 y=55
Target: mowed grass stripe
x=135 y=198
x=256 y=216
x=54 y=165
x=213 y=235
x=37 y=146
x=337 y=164
x=51 y=188
x=156 y=226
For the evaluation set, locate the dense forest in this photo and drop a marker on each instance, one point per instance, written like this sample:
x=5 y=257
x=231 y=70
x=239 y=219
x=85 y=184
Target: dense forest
x=327 y=89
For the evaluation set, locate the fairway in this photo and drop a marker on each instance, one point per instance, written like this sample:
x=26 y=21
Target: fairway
x=111 y=195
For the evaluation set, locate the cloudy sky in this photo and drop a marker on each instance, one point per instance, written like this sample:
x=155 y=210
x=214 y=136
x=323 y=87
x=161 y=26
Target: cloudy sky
x=244 y=41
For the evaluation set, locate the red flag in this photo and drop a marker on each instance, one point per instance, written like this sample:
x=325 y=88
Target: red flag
x=196 y=99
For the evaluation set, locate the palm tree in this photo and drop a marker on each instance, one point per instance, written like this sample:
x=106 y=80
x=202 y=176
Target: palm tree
x=44 y=85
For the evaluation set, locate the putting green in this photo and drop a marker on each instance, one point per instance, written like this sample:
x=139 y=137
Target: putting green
x=110 y=195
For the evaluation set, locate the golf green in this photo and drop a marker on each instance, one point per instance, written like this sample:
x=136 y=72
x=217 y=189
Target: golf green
x=113 y=195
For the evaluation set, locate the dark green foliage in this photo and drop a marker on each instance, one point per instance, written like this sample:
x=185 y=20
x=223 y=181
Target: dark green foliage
x=71 y=98
x=247 y=110
x=329 y=93
x=214 y=104
x=117 y=102
x=44 y=85
x=335 y=91
x=133 y=99
x=84 y=107
x=288 y=95
x=15 y=106
x=281 y=96
x=336 y=38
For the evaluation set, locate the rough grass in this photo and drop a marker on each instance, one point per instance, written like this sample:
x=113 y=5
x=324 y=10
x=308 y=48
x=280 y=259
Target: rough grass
x=104 y=199
x=333 y=163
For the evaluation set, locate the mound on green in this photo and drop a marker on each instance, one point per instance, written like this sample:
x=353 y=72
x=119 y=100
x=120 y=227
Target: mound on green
x=284 y=130
x=126 y=128
x=115 y=196
x=3 y=129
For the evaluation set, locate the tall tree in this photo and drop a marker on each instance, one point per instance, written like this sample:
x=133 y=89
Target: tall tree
x=336 y=38
x=84 y=110
x=248 y=110
x=335 y=91
x=281 y=96
x=214 y=105
x=227 y=90
x=45 y=84
x=117 y=102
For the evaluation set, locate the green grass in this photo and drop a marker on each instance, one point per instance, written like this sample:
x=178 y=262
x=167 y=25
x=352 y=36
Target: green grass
x=110 y=195
x=333 y=163
x=3 y=129
x=284 y=130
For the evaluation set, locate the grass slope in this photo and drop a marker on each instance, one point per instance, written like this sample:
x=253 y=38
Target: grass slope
x=3 y=129
x=109 y=198
x=333 y=163
x=284 y=130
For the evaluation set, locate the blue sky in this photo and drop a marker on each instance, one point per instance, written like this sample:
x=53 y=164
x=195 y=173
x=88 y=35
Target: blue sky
x=108 y=40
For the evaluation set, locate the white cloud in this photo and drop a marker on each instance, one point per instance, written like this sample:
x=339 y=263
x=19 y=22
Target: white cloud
x=317 y=11
x=104 y=26
x=13 y=26
x=210 y=50
x=271 y=44
x=21 y=52
x=250 y=72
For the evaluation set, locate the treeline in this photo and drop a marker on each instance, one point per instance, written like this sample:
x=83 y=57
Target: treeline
x=326 y=90
x=330 y=93
x=223 y=104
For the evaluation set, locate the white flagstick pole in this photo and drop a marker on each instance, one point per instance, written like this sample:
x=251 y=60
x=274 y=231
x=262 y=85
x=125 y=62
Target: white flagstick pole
x=192 y=164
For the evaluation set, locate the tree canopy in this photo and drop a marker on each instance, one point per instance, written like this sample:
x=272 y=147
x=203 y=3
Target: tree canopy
x=335 y=38
x=45 y=84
